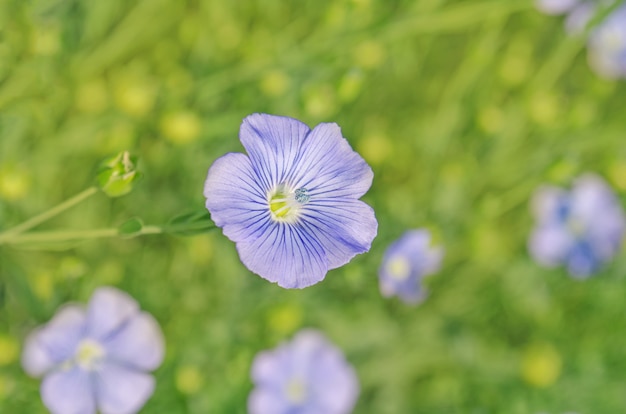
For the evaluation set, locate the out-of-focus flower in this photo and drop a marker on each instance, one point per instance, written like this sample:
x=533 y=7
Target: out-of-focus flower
x=96 y=358
x=292 y=204
x=306 y=376
x=607 y=45
x=582 y=228
x=406 y=262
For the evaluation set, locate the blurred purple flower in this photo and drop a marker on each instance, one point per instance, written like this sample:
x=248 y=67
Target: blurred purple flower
x=292 y=204
x=306 y=376
x=96 y=358
x=405 y=263
x=607 y=45
x=582 y=228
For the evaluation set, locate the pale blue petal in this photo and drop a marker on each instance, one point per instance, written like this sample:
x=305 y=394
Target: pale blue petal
x=548 y=202
x=273 y=144
x=268 y=401
x=329 y=168
x=69 y=392
x=138 y=344
x=550 y=245
x=55 y=342
x=344 y=227
x=121 y=390
x=268 y=367
x=109 y=308
x=285 y=254
x=233 y=196
x=336 y=385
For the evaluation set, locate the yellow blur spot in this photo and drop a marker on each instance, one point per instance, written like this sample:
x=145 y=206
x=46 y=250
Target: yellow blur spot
x=274 y=83
x=541 y=365
x=350 y=86
x=369 y=54
x=543 y=108
x=9 y=350
x=375 y=147
x=491 y=119
x=284 y=319
x=92 y=97
x=72 y=267
x=181 y=127
x=134 y=96
x=14 y=183
x=201 y=249
x=320 y=102
x=188 y=379
x=45 y=41
x=43 y=285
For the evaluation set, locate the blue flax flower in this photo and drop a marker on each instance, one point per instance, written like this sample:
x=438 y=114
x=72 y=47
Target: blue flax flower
x=96 y=358
x=292 y=204
x=306 y=376
x=582 y=228
x=406 y=262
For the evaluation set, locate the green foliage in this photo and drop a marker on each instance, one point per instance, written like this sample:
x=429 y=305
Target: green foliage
x=461 y=107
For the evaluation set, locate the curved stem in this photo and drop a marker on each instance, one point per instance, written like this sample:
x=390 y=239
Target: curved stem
x=46 y=215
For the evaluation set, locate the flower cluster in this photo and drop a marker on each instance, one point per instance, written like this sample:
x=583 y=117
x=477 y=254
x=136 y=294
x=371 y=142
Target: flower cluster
x=582 y=228
x=606 y=40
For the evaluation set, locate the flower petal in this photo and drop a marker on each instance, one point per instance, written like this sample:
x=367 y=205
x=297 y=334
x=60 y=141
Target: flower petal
x=121 y=390
x=109 y=309
x=344 y=227
x=285 y=254
x=233 y=196
x=68 y=392
x=267 y=401
x=139 y=344
x=273 y=144
x=549 y=245
x=55 y=342
x=329 y=168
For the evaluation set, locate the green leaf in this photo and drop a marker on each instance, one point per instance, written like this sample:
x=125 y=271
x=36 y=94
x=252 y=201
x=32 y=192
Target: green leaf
x=189 y=224
x=131 y=228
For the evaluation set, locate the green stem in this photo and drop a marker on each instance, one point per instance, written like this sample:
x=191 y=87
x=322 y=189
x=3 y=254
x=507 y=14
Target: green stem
x=60 y=236
x=11 y=233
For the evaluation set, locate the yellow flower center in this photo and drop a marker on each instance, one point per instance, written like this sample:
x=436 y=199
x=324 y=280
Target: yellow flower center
x=89 y=354
x=295 y=391
x=285 y=203
x=399 y=268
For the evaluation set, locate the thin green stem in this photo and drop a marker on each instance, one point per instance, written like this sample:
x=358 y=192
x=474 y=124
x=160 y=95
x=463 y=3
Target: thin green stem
x=61 y=236
x=46 y=215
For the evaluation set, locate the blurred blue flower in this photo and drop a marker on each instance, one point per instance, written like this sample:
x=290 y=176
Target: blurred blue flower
x=292 y=204
x=607 y=45
x=406 y=262
x=96 y=358
x=306 y=376
x=582 y=228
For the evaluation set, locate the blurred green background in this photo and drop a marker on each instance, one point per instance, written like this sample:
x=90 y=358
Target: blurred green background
x=462 y=108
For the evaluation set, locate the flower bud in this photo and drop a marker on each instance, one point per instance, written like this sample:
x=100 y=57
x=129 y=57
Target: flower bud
x=117 y=174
